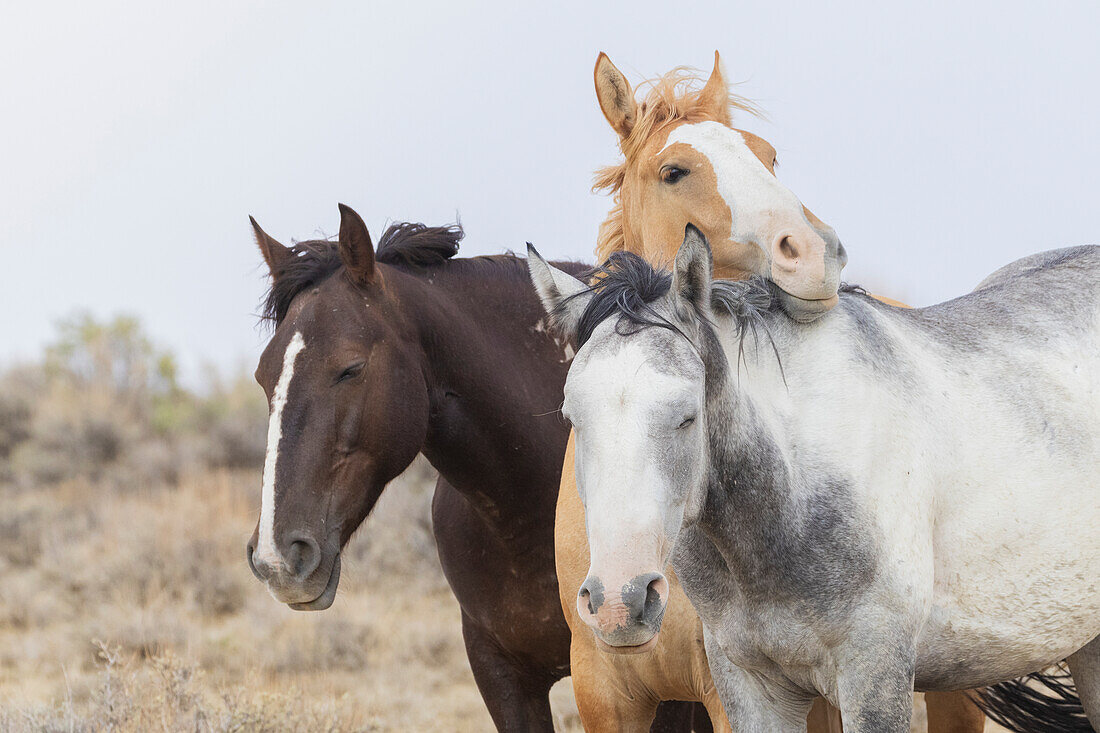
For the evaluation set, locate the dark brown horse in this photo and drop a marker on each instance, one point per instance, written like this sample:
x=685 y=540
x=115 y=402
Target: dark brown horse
x=377 y=356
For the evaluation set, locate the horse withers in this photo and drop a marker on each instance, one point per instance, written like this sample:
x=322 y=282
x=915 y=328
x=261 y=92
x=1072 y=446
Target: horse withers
x=879 y=500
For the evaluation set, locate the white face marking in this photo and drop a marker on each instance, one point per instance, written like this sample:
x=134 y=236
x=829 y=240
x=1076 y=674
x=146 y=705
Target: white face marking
x=266 y=548
x=626 y=414
x=759 y=204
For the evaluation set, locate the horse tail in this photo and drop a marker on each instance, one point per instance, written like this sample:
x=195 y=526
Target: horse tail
x=1042 y=702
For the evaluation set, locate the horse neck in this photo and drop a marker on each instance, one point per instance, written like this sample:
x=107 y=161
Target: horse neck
x=748 y=369
x=495 y=380
x=749 y=473
x=771 y=501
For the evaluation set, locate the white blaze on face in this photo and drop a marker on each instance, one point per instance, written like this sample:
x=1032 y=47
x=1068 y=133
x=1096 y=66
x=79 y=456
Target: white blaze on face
x=266 y=548
x=759 y=204
x=625 y=417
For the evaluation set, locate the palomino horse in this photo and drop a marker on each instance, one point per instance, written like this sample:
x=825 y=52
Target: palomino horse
x=379 y=355
x=683 y=161
x=880 y=500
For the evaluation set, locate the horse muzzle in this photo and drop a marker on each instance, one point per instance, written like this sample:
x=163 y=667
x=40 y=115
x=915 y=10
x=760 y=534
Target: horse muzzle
x=628 y=619
x=806 y=266
x=303 y=578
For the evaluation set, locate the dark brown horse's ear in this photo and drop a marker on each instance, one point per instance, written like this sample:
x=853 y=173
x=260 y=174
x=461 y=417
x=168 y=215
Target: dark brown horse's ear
x=356 y=249
x=615 y=96
x=715 y=96
x=275 y=254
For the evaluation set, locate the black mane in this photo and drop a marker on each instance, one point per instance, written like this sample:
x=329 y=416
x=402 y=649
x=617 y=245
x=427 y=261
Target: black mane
x=418 y=245
x=406 y=244
x=627 y=286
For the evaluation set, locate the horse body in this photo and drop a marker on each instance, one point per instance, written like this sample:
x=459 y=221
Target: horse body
x=955 y=443
x=421 y=353
x=971 y=518
x=493 y=503
x=890 y=497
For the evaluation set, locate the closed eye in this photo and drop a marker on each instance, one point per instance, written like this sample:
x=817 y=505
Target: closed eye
x=351 y=372
x=687 y=421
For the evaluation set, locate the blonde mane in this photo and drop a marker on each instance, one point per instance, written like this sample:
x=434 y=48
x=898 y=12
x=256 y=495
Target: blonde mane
x=671 y=98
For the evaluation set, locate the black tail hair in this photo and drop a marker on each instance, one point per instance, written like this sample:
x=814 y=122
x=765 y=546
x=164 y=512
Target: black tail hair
x=1043 y=702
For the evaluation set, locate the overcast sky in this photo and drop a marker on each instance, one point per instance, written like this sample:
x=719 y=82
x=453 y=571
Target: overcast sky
x=940 y=141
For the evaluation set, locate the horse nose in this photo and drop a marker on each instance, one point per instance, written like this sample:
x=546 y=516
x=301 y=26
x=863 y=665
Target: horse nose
x=590 y=599
x=303 y=556
x=645 y=595
x=805 y=264
x=792 y=251
x=641 y=602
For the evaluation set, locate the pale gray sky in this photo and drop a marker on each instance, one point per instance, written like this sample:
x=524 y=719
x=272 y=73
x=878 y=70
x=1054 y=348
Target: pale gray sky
x=941 y=141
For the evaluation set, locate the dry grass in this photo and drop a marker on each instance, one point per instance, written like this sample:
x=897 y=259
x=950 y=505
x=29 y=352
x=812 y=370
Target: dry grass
x=126 y=610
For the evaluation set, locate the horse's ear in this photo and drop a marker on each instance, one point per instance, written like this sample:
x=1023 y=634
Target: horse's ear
x=694 y=269
x=563 y=296
x=356 y=249
x=615 y=96
x=715 y=97
x=275 y=254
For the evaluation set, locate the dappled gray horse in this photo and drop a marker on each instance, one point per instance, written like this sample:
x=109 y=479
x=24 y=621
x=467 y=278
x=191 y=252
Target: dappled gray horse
x=881 y=499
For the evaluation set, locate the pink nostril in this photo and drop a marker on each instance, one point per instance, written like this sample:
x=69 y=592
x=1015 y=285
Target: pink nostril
x=788 y=250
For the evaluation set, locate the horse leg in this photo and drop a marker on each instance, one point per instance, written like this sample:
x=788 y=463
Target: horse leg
x=876 y=695
x=750 y=707
x=818 y=716
x=710 y=716
x=953 y=712
x=948 y=712
x=1084 y=665
x=517 y=699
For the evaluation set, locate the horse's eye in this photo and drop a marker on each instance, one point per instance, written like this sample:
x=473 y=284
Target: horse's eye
x=351 y=372
x=672 y=174
x=685 y=423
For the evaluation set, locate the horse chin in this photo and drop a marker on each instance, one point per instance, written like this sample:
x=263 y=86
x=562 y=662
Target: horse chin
x=806 y=311
x=328 y=595
x=603 y=646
